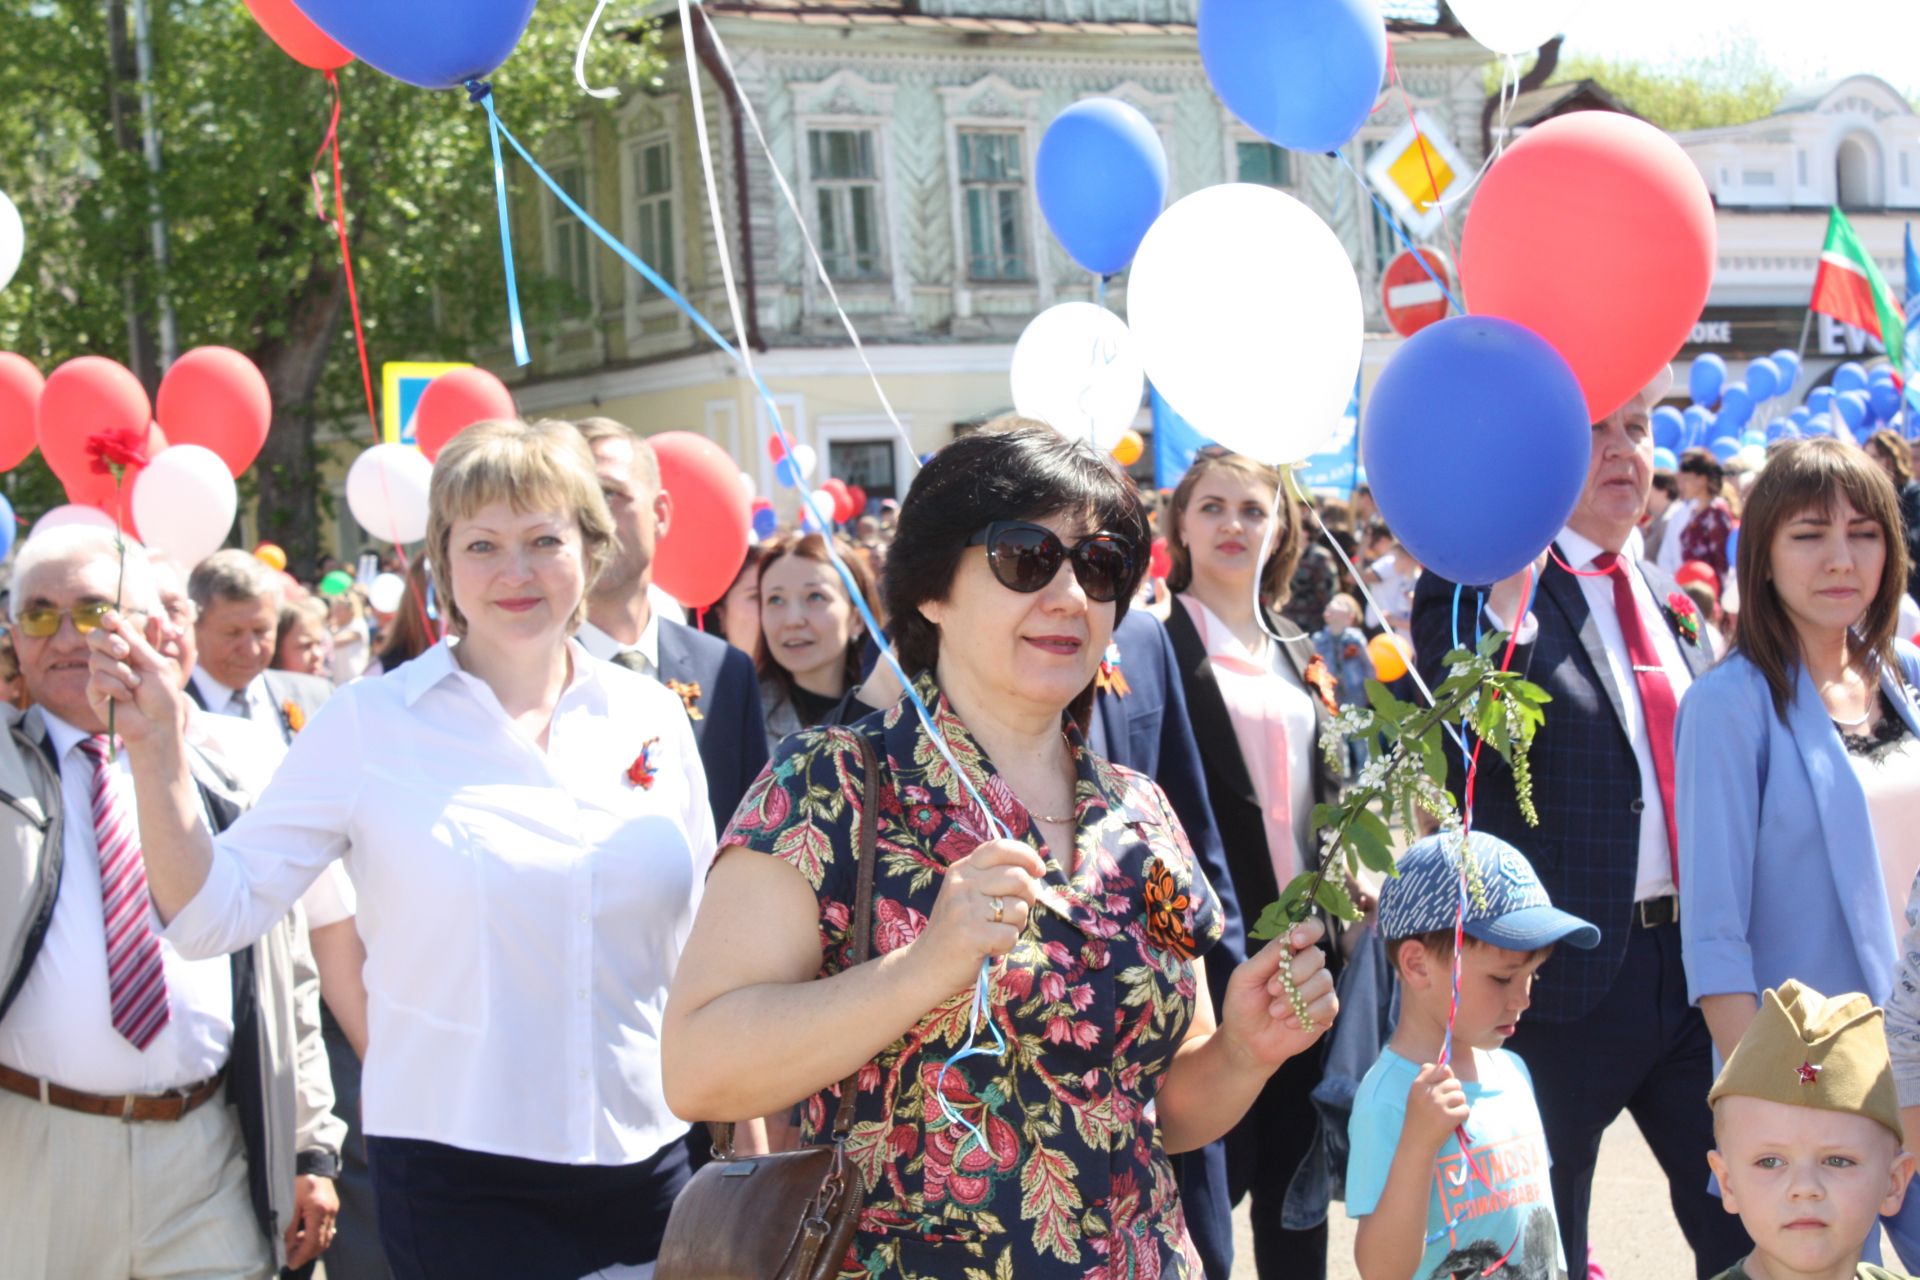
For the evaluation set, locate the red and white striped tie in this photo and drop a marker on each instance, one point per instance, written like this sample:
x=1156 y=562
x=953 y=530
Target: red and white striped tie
x=136 y=979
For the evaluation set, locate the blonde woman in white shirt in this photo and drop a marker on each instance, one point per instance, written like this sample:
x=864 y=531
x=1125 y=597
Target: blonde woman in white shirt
x=528 y=829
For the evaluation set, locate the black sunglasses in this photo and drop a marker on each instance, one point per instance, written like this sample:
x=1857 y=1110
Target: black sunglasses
x=1025 y=557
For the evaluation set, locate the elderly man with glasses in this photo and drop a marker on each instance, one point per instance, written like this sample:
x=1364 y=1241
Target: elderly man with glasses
x=158 y=1115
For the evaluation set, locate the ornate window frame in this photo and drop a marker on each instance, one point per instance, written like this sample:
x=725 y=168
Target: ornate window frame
x=994 y=102
x=641 y=122
x=849 y=101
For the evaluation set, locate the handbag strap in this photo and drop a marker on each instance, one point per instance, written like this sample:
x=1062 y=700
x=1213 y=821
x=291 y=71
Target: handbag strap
x=722 y=1133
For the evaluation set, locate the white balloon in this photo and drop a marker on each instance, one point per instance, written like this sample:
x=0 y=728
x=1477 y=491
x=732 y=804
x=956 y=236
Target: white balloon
x=71 y=513
x=805 y=460
x=386 y=592
x=184 y=501
x=1514 y=26
x=822 y=503
x=387 y=492
x=13 y=239
x=1247 y=316
x=1076 y=369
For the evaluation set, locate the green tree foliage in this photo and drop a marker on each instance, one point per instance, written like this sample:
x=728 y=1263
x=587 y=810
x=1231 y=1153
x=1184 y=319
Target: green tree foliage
x=251 y=264
x=1732 y=86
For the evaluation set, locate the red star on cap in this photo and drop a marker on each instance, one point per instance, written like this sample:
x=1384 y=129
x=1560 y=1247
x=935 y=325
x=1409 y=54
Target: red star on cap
x=1807 y=1072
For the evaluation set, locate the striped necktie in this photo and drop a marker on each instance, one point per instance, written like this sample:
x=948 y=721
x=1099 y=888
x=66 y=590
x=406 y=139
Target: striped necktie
x=136 y=979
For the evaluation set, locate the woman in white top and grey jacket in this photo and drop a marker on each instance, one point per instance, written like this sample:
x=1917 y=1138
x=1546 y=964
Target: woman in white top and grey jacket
x=528 y=829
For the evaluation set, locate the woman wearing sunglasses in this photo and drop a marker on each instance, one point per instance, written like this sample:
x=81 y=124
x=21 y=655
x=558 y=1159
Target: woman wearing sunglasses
x=1015 y=555
x=1258 y=726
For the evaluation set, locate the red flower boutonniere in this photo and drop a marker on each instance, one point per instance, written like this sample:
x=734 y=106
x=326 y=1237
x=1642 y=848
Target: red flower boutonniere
x=296 y=718
x=689 y=692
x=640 y=773
x=1686 y=618
x=1320 y=679
x=1108 y=679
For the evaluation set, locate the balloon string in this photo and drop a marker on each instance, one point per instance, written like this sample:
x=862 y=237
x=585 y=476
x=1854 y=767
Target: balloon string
x=1401 y=232
x=580 y=57
x=481 y=92
x=331 y=143
x=745 y=101
x=977 y=1014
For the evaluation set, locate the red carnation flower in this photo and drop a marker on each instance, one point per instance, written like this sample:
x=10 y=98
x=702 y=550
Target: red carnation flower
x=111 y=452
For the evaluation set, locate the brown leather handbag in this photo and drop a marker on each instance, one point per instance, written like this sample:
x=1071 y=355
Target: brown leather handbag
x=790 y=1215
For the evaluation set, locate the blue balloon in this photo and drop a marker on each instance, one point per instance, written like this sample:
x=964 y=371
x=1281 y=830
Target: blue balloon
x=1820 y=400
x=1879 y=373
x=1706 y=377
x=8 y=526
x=786 y=474
x=1302 y=75
x=1763 y=379
x=1884 y=396
x=1851 y=376
x=1476 y=443
x=436 y=44
x=1782 y=429
x=1736 y=406
x=765 y=522
x=1800 y=415
x=1820 y=424
x=1852 y=408
x=1663 y=460
x=1101 y=174
x=1788 y=363
x=1668 y=426
x=1753 y=437
x=1733 y=546
x=1725 y=448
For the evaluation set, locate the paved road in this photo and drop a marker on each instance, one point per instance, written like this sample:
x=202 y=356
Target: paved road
x=1634 y=1232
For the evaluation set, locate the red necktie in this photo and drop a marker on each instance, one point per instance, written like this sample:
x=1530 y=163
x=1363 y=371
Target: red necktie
x=1656 y=692
x=136 y=978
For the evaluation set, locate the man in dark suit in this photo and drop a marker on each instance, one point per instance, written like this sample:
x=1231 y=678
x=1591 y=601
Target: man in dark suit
x=237 y=603
x=1140 y=721
x=1610 y=1030
x=715 y=681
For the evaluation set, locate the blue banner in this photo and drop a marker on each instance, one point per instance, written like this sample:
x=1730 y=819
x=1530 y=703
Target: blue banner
x=1335 y=470
x=1175 y=441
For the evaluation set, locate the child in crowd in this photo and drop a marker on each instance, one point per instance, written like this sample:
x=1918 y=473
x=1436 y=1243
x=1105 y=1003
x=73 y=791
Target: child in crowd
x=1808 y=1140
x=1426 y=1207
x=1343 y=647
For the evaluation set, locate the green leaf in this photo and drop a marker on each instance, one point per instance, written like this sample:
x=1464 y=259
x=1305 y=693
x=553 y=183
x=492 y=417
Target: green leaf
x=1374 y=841
x=1385 y=705
x=1333 y=896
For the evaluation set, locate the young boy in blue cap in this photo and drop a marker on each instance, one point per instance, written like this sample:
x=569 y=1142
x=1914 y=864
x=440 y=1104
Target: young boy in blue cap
x=1426 y=1208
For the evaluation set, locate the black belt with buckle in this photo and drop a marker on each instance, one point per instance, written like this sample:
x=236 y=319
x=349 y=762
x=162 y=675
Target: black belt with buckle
x=1652 y=913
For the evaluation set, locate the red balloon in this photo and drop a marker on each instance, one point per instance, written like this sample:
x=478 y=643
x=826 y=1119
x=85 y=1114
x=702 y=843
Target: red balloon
x=459 y=398
x=842 y=499
x=705 y=545
x=86 y=396
x=20 y=387
x=859 y=498
x=1159 y=559
x=216 y=398
x=1595 y=231
x=775 y=449
x=295 y=33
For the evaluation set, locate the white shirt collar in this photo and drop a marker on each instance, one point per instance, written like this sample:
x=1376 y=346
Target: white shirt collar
x=437 y=665
x=64 y=737
x=603 y=646
x=1580 y=550
x=218 y=695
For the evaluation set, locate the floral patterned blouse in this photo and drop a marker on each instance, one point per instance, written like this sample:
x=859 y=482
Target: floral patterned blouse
x=1072 y=1181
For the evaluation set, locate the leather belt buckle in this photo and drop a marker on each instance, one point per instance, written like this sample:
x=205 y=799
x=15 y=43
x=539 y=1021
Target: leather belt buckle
x=1653 y=913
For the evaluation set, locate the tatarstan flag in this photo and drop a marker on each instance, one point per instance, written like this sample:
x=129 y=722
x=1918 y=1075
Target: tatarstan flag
x=1850 y=288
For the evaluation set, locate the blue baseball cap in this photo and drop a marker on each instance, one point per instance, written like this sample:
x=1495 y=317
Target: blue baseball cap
x=1517 y=915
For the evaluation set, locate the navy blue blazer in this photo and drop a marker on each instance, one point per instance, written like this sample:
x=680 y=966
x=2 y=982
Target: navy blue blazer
x=731 y=730
x=1586 y=782
x=1148 y=729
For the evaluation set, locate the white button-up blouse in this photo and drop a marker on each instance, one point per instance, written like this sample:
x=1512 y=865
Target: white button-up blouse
x=523 y=910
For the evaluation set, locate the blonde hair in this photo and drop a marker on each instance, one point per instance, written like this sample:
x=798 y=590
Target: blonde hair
x=1276 y=575
x=532 y=466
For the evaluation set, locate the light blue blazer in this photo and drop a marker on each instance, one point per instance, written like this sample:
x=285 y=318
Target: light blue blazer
x=1779 y=877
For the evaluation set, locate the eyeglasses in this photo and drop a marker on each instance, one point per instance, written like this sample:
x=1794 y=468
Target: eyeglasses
x=1025 y=557
x=43 y=620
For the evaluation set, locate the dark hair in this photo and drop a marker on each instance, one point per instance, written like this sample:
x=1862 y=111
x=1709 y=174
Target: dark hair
x=1011 y=469
x=414 y=630
x=1803 y=476
x=812 y=546
x=713 y=619
x=1699 y=462
x=1276 y=575
x=1666 y=483
x=1888 y=446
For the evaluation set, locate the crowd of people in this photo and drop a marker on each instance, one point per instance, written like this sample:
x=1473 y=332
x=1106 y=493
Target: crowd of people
x=423 y=941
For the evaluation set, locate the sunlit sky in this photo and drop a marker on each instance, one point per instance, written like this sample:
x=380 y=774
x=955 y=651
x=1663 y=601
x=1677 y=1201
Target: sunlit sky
x=1805 y=39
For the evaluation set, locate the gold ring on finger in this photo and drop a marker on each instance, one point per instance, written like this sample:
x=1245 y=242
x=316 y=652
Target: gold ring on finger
x=999 y=910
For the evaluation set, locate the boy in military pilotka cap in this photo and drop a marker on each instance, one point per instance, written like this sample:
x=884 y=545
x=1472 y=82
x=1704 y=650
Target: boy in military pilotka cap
x=1807 y=1129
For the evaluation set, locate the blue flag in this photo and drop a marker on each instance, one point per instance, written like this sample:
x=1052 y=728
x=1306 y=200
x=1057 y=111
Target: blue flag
x=1913 y=278
x=1336 y=468
x=1175 y=441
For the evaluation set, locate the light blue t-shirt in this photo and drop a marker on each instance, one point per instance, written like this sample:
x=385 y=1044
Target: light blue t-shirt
x=1496 y=1207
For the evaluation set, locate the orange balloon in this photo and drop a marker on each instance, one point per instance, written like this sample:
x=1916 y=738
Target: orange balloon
x=1128 y=451
x=271 y=556
x=1390 y=654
